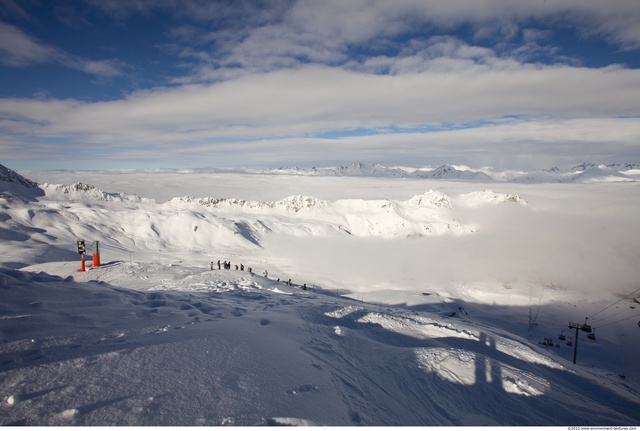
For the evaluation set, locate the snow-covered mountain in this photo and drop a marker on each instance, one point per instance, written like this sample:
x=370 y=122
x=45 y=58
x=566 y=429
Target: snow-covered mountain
x=87 y=192
x=351 y=170
x=584 y=172
x=158 y=335
x=13 y=184
x=449 y=172
x=430 y=213
x=624 y=166
x=599 y=174
x=367 y=169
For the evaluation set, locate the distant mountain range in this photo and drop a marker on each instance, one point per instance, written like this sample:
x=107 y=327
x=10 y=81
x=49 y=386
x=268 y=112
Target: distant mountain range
x=12 y=183
x=582 y=173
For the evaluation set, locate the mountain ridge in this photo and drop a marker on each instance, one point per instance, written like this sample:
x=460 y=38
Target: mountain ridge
x=585 y=172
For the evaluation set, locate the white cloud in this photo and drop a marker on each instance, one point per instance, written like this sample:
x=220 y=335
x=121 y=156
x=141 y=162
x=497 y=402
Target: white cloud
x=18 y=49
x=272 y=34
x=257 y=39
x=316 y=99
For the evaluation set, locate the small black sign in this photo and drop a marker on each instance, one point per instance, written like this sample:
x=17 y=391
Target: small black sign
x=81 y=247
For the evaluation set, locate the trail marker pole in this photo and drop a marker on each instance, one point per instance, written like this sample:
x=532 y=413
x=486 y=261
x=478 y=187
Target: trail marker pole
x=96 y=256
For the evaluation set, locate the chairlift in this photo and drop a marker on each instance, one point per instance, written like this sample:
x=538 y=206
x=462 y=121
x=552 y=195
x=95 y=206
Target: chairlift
x=570 y=342
x=562 y=337
x=592 y=336
x=586 y=328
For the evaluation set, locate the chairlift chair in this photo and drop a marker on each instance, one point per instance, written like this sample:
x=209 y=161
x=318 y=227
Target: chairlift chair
x=570 y=342
x=562 y=337
x=592 y=335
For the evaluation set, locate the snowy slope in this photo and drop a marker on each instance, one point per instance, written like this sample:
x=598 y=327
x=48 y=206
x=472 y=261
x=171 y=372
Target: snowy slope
x=177 y=345
x=13 y=184
x=155 y=337
x=600 y=174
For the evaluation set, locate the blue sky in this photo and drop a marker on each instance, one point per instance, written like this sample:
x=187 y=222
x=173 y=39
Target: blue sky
x=100 y=84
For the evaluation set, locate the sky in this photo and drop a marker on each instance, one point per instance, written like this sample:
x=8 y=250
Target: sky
x=510 y=84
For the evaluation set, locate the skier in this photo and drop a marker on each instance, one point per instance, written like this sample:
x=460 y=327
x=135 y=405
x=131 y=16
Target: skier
x=304 y=286
x=218 y=263
x=211 y=266
x=242 y=267
x=266 y=274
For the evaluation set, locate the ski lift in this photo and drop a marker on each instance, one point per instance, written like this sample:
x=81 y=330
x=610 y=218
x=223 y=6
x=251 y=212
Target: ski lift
x=585 y=327
x=562 y=337
x=592 y=335
x=570 y=342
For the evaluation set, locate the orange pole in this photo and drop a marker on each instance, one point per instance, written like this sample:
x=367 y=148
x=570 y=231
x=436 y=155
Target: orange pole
x=96 y=257
x=82 y=268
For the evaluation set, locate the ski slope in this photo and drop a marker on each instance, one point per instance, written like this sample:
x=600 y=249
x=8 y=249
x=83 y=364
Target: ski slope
x=388 y=332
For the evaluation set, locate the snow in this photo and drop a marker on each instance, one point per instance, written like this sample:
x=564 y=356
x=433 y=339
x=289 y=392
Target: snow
x=400 y=325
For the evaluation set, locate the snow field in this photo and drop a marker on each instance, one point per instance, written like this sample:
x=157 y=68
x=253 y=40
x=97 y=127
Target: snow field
x=435 y=330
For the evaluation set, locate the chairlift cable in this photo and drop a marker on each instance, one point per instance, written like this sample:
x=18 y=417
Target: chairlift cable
x=616 y=321
x=622 y=299
x=612 y=315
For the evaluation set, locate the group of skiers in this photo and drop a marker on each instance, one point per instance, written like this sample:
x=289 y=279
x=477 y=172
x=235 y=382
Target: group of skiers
x=227 y=265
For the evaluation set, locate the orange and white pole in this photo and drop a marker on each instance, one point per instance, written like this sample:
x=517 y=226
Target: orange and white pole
x=96 y=257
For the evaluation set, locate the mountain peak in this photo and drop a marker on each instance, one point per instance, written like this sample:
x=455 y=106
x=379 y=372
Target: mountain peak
x=449 y=172
x=10 y=176
x=583 y=167
x=13 y=184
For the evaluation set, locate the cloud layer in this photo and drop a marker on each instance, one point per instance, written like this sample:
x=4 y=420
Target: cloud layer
x=293 y=82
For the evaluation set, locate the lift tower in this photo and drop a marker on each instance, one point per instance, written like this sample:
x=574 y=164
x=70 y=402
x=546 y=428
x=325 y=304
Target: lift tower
x=580 y=327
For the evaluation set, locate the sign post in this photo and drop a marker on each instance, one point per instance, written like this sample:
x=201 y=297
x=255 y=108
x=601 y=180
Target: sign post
x=82 y=250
